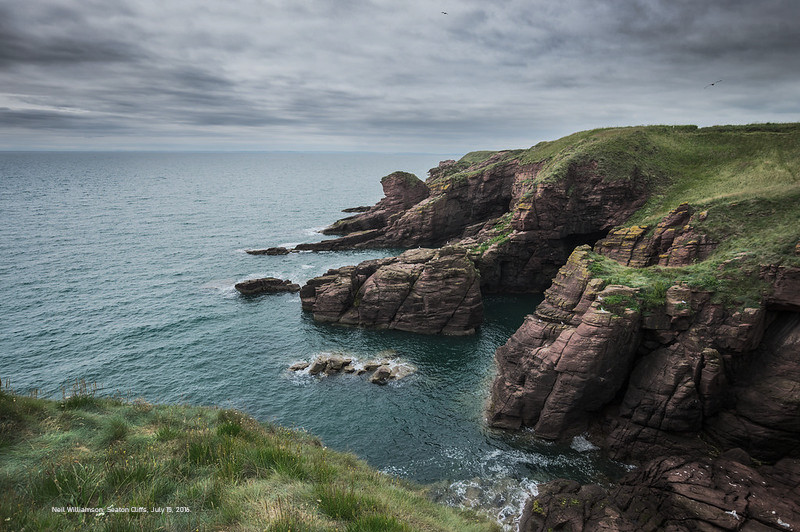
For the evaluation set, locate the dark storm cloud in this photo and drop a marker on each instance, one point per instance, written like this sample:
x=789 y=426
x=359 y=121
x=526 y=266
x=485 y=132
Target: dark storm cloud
x=362 y=74
x=20 y=43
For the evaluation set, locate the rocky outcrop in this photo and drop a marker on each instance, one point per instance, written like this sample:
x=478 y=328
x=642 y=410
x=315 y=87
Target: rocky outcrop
x=443 y=208
x=675 y=494
x=422 y=290
x=381 y=371
x=545 y=219
x=266 y=285
x=570 y=358
x=268 y=251
x=401 y=191
x=675 y=241
x=650 y=380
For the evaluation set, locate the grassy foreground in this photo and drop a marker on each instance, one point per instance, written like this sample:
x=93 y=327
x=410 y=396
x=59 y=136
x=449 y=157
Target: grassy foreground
x=138 y=466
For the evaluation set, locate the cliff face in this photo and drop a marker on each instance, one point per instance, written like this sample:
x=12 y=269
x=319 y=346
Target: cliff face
x=524 y=227
x=677 y=333
x=648 y=379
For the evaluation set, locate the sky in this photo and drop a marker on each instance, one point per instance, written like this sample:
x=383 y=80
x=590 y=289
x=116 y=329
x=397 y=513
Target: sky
x=384 y=76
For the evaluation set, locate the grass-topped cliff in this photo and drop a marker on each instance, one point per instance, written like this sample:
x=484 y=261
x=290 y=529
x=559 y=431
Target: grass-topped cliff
x=215 y=469
x=745 y=180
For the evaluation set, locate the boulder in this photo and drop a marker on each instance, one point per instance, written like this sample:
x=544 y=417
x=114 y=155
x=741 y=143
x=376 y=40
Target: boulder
x=266 y=285
x=381 y=375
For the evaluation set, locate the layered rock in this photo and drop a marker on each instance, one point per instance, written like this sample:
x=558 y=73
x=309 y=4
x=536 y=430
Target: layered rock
x=545 y=219
x=675 y=494
x=422 y=290
x=675 y=241
x=569 y=359
x=266 y=285
x=401 y=191
x=650 y=381
x=444 y=208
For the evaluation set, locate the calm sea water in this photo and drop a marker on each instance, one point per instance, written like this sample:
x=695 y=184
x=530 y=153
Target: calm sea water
x=119 y=268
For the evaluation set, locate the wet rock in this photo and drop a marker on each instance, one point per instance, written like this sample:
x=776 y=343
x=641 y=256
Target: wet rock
x=318 y=365
x=422 y=290
x=268 y=251
x=357 y=209
x=266 y=285
x=382 y=371
x=381 y=375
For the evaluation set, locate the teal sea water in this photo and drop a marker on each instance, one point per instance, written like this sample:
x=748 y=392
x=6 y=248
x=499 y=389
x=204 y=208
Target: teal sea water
x=119 y=268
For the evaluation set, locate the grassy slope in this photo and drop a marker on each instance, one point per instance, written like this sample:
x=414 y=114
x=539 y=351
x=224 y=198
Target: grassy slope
x=746 y=177
x=230 y=471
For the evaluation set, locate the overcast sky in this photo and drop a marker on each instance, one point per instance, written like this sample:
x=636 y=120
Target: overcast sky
x=384 y=75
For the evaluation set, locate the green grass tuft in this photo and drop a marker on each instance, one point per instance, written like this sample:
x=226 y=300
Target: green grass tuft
x=230 y=471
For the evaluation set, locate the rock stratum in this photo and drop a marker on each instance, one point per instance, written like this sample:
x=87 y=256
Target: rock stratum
x=422 y=290
x=669 y=258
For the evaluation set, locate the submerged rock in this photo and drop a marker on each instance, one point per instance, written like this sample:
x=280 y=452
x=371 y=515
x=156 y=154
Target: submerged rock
x=266 y=285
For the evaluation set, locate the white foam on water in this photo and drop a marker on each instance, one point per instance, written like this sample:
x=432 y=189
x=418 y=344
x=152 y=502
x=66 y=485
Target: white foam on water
x=500 y=498
x=223 y=286
x=582 y=444
x=313 y=231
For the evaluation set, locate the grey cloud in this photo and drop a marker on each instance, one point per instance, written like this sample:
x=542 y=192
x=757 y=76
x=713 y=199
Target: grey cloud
x=377 y=74
x=20 y=45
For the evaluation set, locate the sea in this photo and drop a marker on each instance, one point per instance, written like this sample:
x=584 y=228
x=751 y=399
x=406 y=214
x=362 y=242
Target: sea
x=118 y=269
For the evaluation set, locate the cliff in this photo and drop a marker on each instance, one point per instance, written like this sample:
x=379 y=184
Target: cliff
x=670 y=262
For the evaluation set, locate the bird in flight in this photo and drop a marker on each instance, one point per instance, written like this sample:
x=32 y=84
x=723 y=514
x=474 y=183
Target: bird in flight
x=712 y=84
x=444 y=12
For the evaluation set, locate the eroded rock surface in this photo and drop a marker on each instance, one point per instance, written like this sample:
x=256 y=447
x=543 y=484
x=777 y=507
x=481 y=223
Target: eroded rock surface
x=382 y=370
x=422 y=290
x=266 y=285
x=401 y=191
x=675 y=494
x=675 y=241
x=650 y=381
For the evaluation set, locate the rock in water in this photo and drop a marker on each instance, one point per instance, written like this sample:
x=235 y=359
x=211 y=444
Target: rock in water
x=401 y=189
x=381 y=375
x=266 y=285
x=268 y=251
x=422 y=290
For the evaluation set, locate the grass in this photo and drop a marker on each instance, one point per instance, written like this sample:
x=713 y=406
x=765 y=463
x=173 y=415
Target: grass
x=747 y=178
x=733 y=284
x=215 y=469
